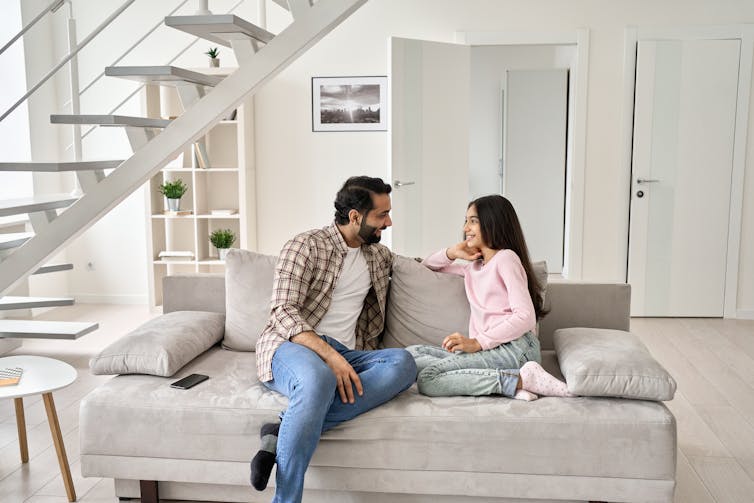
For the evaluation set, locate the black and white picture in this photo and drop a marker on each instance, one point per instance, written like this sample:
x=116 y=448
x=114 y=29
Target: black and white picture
x=349 y=103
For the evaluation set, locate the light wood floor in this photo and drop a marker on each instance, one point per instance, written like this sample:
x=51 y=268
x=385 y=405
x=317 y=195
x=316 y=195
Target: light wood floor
x=711 y=359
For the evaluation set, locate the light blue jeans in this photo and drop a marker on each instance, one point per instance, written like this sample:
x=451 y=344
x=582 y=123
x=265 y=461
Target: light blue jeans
x=488 y=372
x=315 y=406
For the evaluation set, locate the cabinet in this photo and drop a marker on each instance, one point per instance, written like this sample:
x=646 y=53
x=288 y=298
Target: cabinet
x=227 y=183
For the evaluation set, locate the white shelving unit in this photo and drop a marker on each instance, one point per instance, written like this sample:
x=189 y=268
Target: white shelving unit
x=227 y=183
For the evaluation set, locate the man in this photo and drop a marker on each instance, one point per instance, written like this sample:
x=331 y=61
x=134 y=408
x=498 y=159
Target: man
x=319 y=346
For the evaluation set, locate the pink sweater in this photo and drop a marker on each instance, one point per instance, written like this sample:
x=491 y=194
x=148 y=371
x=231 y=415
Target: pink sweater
x=501 y=307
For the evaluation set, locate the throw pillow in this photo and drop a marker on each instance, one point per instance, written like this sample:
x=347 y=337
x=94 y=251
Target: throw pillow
x=602 y=362
x=162 y=345
x=424 y=306
x=248 y=293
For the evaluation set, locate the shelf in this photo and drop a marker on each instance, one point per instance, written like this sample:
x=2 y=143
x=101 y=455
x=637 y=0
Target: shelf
x=211 y=262
x=221 y=217
x=173 y=217
x=174 y=262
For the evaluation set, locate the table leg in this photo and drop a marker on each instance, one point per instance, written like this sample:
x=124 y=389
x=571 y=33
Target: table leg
x=21 y=425
x=57 y=438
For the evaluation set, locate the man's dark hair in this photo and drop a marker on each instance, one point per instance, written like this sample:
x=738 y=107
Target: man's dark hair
x=356 y=194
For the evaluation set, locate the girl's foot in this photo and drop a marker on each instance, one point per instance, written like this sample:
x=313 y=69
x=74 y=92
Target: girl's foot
x=537 y=380
x=524 y=395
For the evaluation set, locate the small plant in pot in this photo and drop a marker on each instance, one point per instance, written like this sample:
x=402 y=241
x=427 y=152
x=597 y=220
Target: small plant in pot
x=214 y=61
x=173 y=192
x=222 y=239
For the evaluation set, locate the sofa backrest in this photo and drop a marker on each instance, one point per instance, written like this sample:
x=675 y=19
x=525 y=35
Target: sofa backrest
x=590 y=305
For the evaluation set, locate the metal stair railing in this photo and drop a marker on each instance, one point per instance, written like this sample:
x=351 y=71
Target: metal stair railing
x=53 y=7
x=68 y=57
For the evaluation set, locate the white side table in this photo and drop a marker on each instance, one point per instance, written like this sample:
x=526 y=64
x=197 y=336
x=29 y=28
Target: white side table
x=41 y=376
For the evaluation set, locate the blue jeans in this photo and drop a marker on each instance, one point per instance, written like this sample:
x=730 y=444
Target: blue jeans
x=489 y=372
x=315 y=406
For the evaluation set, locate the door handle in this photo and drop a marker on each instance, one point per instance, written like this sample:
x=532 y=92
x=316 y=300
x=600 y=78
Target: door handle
x=399 y=183
x=647 y=180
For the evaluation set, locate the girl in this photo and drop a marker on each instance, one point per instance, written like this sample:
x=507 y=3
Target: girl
x=505 y=306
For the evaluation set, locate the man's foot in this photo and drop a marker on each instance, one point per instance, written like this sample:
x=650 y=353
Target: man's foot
x=522 y=394
x=537 y=380
x=264 y=460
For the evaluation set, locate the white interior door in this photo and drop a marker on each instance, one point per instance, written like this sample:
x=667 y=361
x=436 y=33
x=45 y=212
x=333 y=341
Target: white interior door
x=684 y=121
x=430 y=109
x=534 y=158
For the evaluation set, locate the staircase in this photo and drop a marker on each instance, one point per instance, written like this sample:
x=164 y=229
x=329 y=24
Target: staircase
x=58 y=219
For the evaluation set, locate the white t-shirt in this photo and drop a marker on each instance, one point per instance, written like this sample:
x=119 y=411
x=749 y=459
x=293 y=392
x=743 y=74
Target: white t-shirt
x=347 y=300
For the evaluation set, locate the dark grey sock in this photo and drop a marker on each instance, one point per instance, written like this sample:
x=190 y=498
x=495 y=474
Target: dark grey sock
x=264 y=460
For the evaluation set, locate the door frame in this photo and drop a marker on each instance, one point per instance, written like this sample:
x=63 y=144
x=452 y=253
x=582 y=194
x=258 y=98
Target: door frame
x=573 y=233
x=744 y=33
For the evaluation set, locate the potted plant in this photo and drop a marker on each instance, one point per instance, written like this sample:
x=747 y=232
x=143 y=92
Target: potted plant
x=173 y=191
x=222 y=239
x=214 y=61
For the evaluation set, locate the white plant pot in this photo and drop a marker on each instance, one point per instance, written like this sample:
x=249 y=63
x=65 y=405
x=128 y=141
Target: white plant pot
x=222 y=253
x=214 y=62
x=173 y=204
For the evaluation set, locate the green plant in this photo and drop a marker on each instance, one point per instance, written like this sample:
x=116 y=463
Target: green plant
x=222 y=238
x=213 y=52
x=173 y=190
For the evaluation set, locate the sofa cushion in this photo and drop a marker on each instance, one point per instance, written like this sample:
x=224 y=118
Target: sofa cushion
x=219 y=420
x=602 y=362
x=248 y=293
x=424 y=306
x=162 y=345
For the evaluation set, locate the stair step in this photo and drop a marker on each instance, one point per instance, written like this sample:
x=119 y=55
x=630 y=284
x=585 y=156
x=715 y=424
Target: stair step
x=109 y=120
x=14 y=239
x=282 y=3
x=165 y=75
x=219 y=28
x=12 y=302
x=58 y=167
x=45 y=269
x=33 y=204
x=33 y=329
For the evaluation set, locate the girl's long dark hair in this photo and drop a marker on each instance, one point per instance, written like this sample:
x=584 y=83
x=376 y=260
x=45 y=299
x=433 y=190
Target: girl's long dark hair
x=501 y=230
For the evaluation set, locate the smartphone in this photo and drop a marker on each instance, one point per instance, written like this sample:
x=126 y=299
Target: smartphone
x=189 y=381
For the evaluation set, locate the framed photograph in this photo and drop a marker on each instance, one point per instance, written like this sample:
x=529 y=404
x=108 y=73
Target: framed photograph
x=349 y=103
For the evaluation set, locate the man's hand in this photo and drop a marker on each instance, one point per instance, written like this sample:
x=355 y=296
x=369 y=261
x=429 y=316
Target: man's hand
x=344 y=373
x=463 y=251
x=458 y=342
x=346 y=376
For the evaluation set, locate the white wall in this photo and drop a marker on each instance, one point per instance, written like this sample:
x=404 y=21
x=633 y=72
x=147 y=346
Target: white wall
x=287 y=149
x=320 y=162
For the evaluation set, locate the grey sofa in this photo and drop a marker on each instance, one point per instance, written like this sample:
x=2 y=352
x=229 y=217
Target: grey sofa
x=196 y=445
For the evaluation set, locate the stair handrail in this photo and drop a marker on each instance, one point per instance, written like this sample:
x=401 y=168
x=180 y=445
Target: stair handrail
x=53 y=7
x=68 y=57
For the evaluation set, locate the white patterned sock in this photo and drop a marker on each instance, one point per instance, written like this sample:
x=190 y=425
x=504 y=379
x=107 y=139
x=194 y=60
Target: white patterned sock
x=524 y=395
x=536 y=379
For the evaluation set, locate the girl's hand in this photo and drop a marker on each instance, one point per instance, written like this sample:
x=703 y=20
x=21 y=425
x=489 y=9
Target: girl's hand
x=458 y=342
x=463 y=251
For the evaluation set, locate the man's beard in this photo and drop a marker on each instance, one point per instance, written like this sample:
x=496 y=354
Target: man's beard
x=367 y=233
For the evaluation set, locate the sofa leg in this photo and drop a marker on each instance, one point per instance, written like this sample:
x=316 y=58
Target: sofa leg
x=149 y=492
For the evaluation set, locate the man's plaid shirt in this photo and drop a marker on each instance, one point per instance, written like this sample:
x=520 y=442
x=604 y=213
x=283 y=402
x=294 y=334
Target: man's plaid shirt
x=305 y=275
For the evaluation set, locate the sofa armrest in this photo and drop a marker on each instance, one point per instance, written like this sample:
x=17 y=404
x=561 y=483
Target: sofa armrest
x=193 y=292
x=579 y=304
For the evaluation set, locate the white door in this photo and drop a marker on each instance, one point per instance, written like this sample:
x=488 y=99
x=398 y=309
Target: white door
x=430 y=109
x=684 y=121
x=534 y=158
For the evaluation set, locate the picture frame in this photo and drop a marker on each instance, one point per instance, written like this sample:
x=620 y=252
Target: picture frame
x=349 y=104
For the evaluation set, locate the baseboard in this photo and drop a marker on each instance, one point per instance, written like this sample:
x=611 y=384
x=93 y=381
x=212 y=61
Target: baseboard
x=111 y=299
x=745 y=314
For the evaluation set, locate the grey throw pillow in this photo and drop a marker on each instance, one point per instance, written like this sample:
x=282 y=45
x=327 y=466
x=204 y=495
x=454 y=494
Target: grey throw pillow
x=602 y=362
x=162 y=345
x=424 y=306
x=248 y=293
